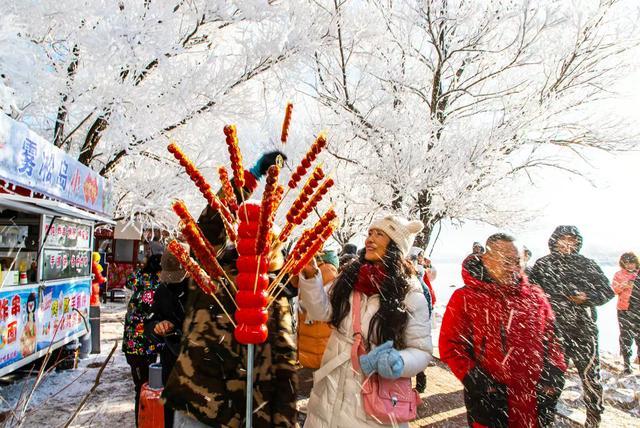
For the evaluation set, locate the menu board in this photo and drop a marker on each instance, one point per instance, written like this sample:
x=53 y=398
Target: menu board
x=60 y=264
x=67 y=234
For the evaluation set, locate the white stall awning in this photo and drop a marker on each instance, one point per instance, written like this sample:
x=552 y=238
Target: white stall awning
x=48 y=207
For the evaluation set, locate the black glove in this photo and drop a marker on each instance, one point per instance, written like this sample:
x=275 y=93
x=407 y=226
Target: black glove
x=264 y=162
x=479 y=380
x=485 y=398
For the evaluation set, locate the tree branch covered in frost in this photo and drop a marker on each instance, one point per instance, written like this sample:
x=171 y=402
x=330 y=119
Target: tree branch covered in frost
x=116 y=80
x=436 y=108
x=445 y=102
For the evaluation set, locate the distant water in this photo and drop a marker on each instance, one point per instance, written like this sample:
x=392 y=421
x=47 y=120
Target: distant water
x=449 y=278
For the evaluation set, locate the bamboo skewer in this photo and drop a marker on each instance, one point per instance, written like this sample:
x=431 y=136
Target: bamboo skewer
x=255 y=283
x=285 y=270
x=275 y=296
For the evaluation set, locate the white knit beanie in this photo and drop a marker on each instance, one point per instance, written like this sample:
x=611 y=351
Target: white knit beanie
x=401 y=231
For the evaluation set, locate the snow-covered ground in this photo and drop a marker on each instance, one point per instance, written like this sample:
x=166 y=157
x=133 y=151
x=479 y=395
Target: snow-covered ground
x=621 y=395
x=60 y=392
x=111 y=404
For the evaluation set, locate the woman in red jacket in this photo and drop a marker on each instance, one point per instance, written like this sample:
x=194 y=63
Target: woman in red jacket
x=498 y=338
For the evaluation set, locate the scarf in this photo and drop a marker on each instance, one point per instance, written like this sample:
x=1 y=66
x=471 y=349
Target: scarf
x=370 y=279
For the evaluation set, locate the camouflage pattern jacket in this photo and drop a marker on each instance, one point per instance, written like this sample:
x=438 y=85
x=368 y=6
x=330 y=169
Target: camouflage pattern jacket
x=209 y=379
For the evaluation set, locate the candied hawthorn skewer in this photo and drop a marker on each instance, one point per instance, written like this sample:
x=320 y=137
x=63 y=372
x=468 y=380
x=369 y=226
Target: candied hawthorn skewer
x=196 y=273
x=299 y=204
x=306 y=257
x=235 y=155
x=229 y=195
x=314 y=201
x=182 y=212
x=313 y=248
x=267 y=208
x=252 y=279
x=307 y=238
x=207 y=259
x=286 y=122
x=307 y=160
x=205 y=189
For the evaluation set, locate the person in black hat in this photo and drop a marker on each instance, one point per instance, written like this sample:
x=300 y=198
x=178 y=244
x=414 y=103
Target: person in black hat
x=575 y=285
x=164 y=326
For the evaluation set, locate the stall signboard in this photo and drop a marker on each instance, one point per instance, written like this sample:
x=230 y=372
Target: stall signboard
x=66 y=252
x=28 y=160
x=31 y=321
x=67 y=234
x=63 y=263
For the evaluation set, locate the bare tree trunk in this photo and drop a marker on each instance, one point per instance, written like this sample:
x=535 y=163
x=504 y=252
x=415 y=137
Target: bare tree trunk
x=61 y=118
x=93 y=138
x=427 y=216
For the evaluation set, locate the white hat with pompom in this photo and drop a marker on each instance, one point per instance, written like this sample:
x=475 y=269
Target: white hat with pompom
x=401 y=231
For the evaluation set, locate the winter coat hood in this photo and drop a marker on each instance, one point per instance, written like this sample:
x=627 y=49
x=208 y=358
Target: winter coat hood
x=564 y=230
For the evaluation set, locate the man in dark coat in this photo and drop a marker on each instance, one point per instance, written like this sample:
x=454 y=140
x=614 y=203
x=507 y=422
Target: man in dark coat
x=498 y=338
x=575 y=286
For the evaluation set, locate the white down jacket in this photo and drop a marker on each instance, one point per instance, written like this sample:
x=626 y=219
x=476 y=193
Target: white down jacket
x=336 y=398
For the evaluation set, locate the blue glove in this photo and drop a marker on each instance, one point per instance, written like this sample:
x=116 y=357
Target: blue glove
x=369 y=362
x=390 y=364
x=264 y=162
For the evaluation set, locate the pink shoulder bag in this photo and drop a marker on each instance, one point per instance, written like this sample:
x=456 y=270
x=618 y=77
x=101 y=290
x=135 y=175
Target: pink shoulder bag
x=388 y=401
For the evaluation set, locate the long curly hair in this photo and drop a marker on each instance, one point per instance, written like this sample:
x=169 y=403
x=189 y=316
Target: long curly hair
x=390 y=322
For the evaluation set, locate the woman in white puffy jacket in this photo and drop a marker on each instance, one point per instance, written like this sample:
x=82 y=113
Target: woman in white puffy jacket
x=394 y=317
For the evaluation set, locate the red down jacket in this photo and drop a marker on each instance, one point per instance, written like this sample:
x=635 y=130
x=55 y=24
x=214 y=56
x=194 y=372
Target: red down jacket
x=508 y=332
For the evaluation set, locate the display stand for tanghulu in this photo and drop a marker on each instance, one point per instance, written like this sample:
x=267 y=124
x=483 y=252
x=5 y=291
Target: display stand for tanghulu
x=249 y=225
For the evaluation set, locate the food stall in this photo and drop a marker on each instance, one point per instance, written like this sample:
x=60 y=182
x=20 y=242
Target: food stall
x=49 y=206
x=123 y=248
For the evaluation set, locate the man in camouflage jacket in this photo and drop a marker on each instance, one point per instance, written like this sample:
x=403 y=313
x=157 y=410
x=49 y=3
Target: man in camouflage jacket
x=208 y=382
x=209 y=379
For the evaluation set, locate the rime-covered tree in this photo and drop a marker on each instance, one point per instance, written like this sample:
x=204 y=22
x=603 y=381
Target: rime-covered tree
x=112 y=82
x=440 y=106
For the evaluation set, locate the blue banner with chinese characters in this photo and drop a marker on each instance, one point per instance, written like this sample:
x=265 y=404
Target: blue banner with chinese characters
x=31 y=319
x=30 y=161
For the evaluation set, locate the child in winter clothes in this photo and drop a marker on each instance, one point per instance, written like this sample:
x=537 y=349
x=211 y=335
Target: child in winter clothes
x=628 y=318
x=394 y=323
